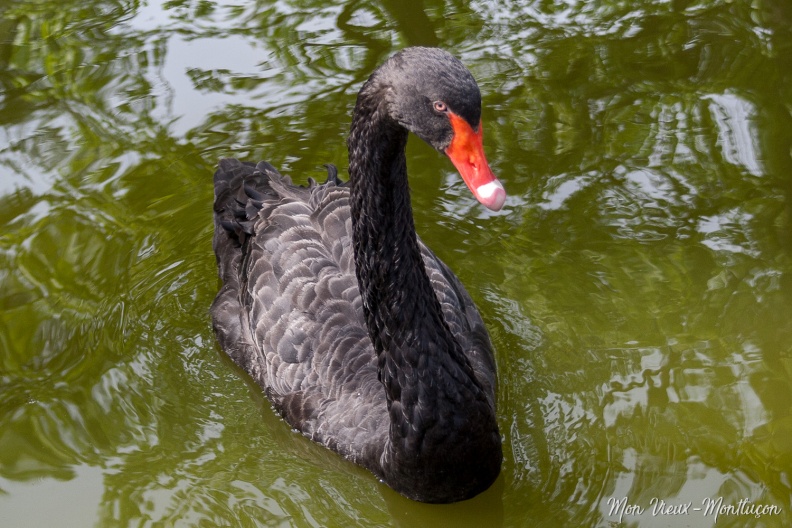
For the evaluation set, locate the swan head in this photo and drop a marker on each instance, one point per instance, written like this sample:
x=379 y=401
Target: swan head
x=433 y=95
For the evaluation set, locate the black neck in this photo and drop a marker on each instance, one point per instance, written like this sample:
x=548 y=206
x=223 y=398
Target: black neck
x=402 y=311
x=403 y=315
x=431 y=389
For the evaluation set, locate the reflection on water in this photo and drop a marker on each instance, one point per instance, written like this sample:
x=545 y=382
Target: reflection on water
x=637 y=284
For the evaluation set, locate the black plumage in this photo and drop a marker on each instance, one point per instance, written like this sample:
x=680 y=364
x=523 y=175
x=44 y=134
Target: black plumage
x=361 y=337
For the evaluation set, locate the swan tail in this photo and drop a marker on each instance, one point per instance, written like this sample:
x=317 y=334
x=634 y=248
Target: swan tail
x=240 y=189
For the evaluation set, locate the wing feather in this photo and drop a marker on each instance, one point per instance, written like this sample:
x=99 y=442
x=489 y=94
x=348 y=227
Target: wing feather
x=290 y=313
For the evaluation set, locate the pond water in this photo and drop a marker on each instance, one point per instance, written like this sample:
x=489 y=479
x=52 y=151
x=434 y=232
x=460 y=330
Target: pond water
x=637 y=285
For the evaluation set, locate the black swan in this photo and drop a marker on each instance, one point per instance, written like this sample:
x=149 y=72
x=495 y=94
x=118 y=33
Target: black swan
x=360 y=336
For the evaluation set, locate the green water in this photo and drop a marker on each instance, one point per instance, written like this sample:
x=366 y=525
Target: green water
x=637 y=285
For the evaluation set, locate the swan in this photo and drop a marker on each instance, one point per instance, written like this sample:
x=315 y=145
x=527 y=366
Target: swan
x=361 y=338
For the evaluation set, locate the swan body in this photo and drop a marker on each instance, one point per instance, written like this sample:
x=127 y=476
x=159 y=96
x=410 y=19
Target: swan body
x=360 y=336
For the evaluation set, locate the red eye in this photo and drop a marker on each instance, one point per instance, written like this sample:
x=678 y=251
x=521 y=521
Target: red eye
x=440 y=106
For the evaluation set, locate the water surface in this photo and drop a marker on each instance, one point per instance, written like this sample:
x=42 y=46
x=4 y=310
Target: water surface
x=637 y=284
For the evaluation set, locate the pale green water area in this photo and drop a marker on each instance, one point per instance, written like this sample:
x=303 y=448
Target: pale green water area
x=637 y=284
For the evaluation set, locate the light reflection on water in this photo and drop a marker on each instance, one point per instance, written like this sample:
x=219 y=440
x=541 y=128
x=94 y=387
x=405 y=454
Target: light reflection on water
x=636 y=284
x=735 y=118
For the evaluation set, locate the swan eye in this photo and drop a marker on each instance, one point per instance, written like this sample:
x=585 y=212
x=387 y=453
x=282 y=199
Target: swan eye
x=440 y=106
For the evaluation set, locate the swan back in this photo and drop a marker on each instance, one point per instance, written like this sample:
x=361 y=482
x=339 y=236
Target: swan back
x=290 y=314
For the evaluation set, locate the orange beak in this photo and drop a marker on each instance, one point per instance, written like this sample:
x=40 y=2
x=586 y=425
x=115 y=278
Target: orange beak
x=466 y=152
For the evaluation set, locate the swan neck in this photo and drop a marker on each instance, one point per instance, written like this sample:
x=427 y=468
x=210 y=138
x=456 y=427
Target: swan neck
x=390 y=270
x=442 y=426
x=403 y=315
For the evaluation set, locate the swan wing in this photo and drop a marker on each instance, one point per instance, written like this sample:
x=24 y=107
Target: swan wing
x=463 y=319
x=290 y=314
